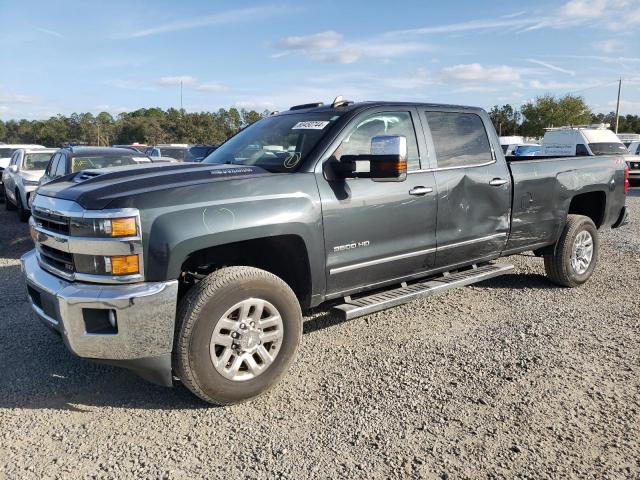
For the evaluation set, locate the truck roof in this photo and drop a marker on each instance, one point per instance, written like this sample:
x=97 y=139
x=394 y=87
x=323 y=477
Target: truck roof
x=349 y=107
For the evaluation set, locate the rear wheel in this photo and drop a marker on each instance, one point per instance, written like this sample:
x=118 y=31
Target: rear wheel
x=574 y=257
x=237 y=333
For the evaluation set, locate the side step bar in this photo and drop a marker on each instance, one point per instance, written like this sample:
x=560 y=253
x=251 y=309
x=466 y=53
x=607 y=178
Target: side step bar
x=357 y=307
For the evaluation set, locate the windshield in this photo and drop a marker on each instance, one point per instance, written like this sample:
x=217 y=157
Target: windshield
x=6 y=152
x=277 y=144
x=607 y=148
x=84 y=163
x=196 y=154
x=175 y=153
x=35 y=161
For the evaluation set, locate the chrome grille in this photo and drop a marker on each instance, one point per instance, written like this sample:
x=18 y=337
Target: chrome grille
x=51 y=221
x=57 y=259
x=70 y=256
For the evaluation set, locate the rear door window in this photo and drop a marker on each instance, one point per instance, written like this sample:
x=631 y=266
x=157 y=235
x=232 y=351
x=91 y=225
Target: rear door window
x=460 y=139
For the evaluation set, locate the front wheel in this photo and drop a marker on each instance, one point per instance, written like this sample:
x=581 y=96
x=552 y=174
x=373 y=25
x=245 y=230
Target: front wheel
x=575 y=254
x=23 y=213
x=237 y=333
x=7 y=202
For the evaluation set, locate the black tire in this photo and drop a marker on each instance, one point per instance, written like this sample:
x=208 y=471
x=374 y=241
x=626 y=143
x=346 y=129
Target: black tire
x=201 y=310
x=558 y=263
x=7 y=203
x=23 y=214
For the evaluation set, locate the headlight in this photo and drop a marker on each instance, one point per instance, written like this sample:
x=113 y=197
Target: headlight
x=31 y=183
x=103 y=227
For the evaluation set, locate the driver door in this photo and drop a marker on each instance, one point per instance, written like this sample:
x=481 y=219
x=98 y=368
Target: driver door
x=378 y=232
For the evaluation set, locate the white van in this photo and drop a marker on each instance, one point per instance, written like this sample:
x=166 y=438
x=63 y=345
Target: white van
x=585 y=140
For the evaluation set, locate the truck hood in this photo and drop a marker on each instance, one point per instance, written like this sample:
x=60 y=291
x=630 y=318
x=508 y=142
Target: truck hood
x=95 y=189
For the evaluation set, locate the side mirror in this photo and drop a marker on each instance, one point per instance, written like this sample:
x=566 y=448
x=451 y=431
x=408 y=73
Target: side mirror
x=386 y=162
x=13 y=168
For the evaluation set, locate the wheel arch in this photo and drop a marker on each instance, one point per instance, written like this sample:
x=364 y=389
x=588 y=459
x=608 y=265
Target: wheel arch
x=286 y=256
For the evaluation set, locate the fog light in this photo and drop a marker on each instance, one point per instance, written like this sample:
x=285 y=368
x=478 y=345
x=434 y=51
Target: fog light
x=122 y=265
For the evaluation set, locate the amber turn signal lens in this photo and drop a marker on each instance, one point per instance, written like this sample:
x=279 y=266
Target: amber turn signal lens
x=123 y=227
x=124 y=265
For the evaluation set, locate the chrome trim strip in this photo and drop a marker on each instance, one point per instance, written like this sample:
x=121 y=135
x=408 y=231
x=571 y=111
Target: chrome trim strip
x=378 y=261
x=88 y=277
x=469 y=242
x=88 y=245
x=443 y=169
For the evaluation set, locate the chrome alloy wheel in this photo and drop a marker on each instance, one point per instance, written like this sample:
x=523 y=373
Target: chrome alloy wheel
x=582 y=252
x=246 y=339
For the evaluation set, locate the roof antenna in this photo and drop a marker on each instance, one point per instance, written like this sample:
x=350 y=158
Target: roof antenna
x=339 y=102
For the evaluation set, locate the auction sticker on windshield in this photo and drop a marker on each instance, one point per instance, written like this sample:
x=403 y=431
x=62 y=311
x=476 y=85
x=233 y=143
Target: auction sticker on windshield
x=310 y=125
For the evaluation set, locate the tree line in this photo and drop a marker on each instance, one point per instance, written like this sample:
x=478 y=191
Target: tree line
x=550 y=111
x=154 y=125
x=146 y=125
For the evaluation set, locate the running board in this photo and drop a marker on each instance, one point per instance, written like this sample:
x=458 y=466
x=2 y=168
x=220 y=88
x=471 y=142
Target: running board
x=357 y=307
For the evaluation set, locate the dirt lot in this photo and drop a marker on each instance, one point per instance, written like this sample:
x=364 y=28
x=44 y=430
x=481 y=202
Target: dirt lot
x=509 y=378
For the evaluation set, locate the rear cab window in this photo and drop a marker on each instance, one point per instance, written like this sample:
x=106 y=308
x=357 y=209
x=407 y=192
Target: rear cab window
x=460 y=139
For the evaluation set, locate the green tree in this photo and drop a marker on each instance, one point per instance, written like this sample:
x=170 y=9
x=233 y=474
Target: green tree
x=549 y=111
x=506 y=119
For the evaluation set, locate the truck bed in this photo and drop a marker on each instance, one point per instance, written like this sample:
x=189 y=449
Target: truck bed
x=543 y=189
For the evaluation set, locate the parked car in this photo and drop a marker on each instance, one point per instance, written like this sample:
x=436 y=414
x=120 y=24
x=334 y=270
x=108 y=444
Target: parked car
x=22 y=176
x=177 y=151
x=6 y=152
x=73 y=159
x=197 y=153
x=634 y=148
x=202 y=270
x=140 y=147
x=633 y=160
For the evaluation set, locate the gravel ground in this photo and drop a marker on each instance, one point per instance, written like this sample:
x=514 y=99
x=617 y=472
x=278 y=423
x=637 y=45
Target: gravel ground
x=509 y=378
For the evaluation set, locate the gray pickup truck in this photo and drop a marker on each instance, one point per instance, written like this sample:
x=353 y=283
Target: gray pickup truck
x=202 y=271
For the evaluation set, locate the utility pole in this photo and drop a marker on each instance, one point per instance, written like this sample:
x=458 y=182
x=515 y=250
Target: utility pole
x=180 y=96
x=618 y=105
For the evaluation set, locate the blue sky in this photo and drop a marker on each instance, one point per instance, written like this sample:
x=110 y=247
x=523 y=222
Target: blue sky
x=80 y=55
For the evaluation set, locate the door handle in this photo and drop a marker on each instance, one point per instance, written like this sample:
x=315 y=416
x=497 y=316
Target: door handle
x=420 y=190
x=497 y=182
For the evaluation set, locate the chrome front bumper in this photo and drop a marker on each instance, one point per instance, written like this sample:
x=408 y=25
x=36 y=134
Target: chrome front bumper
x=144 y=312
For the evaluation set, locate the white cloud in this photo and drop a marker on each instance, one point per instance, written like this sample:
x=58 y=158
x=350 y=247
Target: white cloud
x=474 y=72
x=346 y=56
x=192 y=82
x=329 y=47
x=223 y=18
x=53 y=33
x=607 y=46
x=17 y=99
x=626 y=106
x=212 y=87
x=551 y=66
x=413 y=81
x=316 y=41
x=177 y=80
x=554 y=85
x=584 y=8
x=470 y=25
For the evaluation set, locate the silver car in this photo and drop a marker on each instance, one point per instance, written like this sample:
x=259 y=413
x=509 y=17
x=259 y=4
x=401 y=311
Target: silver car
x=22 y=176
